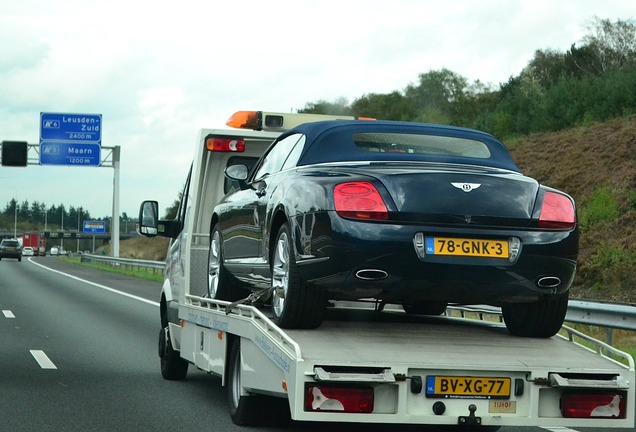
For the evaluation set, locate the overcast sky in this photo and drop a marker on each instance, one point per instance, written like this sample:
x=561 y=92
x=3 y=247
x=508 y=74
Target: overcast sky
x=158 y=73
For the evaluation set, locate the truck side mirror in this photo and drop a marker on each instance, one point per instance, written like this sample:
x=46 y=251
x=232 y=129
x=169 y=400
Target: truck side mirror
x=149 y=218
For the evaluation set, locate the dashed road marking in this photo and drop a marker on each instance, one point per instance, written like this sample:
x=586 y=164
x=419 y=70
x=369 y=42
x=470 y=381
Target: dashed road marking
x=43 y=360
x=8 y=314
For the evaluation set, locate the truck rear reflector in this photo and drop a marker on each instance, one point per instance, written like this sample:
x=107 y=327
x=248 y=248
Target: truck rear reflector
x=339 y=399
x=593 y=405
x=224 y=144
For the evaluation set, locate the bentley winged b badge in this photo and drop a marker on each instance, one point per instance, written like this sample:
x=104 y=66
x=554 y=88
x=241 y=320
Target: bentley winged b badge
x=466 y=187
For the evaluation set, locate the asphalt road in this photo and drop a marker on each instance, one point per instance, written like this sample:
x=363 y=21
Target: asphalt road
x=78 y=352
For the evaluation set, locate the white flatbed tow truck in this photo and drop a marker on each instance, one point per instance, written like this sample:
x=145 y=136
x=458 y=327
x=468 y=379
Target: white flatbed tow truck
x=363 y=364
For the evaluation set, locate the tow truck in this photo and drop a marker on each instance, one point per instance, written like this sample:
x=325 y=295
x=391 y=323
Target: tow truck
x=364 y=364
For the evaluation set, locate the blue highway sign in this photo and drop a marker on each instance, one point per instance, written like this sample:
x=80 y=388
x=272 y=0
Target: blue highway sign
x=71 y=127
x=70 y=139
x=94 y=227
x=59 y=153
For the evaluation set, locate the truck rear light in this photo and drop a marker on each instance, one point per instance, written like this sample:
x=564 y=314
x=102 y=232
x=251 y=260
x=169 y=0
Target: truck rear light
x=359 y=200
x=593 y=405
x=557 y=211
x=339 y=399
x=224 y=144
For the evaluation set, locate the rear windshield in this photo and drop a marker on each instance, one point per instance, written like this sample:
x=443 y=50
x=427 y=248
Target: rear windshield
x=421 y=144
x=9 y=243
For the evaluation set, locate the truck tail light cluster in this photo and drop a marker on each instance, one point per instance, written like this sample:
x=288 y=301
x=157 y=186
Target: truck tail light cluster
x=594 y=405
x=216 y=144
x=557 y=211
x=359 y=200
x=339 y=399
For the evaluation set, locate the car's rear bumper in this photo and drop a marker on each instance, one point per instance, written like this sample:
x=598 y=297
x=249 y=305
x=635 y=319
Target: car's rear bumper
x=352 y=259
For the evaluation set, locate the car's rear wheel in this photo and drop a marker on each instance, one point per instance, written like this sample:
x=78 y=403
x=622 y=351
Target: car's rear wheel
x=220 y=286
x=428 y=308
x=294 y=304
x=541 y=319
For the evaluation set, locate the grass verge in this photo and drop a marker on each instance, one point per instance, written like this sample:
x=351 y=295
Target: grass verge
x=154 y=275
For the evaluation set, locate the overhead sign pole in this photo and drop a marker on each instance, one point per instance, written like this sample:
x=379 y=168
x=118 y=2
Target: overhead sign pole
x=76 y=140
x=115 y=224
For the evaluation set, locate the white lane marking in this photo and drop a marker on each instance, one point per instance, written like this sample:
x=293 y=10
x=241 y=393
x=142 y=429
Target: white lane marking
x=8 y=314
x=104 y=287
x=43 y=360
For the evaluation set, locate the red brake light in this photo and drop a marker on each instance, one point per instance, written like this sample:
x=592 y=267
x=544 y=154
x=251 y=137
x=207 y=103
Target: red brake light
x=225 y=144
x=359 y=200
x=557 y=211
x=593 y=405
x=339 y=399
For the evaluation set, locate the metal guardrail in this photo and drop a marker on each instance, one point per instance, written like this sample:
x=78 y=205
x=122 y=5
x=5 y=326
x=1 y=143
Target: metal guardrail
x=611 y=316
x=126 y=262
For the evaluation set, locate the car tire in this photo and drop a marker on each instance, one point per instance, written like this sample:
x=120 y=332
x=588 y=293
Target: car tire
x=294 y=304
x=430 y=308
x=220 y=286
x=541 y=319
x=173 y=367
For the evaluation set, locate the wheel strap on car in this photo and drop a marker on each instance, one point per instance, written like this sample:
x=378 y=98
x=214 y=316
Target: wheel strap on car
x=250 y=299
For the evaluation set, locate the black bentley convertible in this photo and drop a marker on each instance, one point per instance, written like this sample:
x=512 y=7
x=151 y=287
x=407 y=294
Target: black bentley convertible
x=404 y=213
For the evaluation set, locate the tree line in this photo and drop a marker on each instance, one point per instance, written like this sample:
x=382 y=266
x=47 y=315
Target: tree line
x=37 y=216
x=593 y=81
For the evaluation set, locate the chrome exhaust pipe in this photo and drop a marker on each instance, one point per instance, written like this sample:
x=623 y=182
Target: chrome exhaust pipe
x=371 y=274
x=548 y=282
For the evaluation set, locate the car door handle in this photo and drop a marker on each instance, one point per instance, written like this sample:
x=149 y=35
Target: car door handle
x=260 y=193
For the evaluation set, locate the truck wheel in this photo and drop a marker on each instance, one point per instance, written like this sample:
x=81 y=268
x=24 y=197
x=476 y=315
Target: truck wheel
x=294 y=304
x=219 y=284
x=173 y=367
x=430 y=308
x=541 y=319
x=245 y=409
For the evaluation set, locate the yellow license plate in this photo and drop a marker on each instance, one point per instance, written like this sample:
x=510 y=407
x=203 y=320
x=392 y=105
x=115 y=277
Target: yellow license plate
x=467 y=247
x=467 y=387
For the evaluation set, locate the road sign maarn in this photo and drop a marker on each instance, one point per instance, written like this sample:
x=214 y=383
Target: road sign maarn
x=70 y=139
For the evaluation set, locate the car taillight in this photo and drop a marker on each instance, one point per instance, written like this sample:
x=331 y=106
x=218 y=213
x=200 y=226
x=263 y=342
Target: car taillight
x=224 y=144
x=339 y=399
x=557 y=211
x=359 y=200
x=593 y=405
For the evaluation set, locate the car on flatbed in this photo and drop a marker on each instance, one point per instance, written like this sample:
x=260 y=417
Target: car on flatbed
x=10 y=248
x=366 y=363
x=413 y=214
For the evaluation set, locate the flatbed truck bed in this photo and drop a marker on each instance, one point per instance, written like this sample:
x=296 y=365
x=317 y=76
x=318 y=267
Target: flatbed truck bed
x=439 y=370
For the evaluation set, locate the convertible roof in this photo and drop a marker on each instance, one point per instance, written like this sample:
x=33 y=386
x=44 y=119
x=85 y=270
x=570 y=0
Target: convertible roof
x=333 y=141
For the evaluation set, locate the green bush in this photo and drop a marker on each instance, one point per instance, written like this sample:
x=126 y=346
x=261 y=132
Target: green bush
x=602 y=206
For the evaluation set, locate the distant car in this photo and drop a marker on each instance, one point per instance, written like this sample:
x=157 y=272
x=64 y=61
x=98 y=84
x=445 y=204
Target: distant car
x=10 y=249
x=63 y=252
x=54 y=251
x=28 y=251
x=414 y=214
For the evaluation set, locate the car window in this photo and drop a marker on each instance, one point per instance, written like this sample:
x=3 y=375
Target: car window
x=276 y=156
x=9 y=243
x=294 y=154
x=421 y=144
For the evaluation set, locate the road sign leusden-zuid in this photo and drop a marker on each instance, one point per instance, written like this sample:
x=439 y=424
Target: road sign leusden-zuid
x=70 y=139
